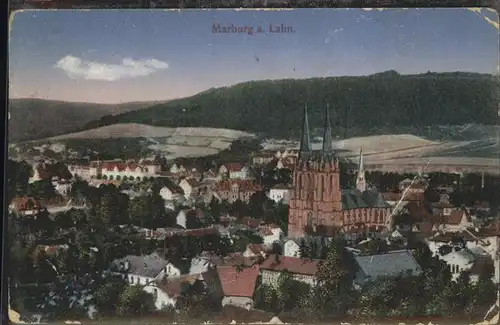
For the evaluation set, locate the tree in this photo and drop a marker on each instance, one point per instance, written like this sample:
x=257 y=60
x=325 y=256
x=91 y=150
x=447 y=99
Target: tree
x=42 y=190
x=267 y=298
x=242 y=238
x=107 y=297
x=335 y=278
x=107 y=209
x=239 y=208
x=289 y=291
x=195 y=301
x=134 y=301
x=140 y=211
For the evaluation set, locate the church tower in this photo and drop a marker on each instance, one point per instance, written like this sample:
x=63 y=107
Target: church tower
x=316 y=198
x=360 y=179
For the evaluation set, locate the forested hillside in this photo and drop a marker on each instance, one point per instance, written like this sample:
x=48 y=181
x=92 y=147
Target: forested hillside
x=378 y=101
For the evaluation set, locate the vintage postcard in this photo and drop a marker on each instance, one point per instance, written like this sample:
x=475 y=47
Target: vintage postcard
x=239 y=166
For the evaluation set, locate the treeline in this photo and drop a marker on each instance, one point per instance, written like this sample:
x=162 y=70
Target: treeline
x=369 y=102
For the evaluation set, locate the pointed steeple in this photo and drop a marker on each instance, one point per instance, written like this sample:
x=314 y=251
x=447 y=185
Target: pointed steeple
x=360 y=179
x=305 y=139
x=327 y=133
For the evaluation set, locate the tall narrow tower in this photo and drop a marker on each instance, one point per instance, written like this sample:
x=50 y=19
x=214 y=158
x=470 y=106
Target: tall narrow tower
x=327 y=148
x=360 y=179
x=305 y=138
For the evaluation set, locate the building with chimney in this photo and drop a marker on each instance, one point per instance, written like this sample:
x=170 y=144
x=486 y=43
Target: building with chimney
x=318 y=202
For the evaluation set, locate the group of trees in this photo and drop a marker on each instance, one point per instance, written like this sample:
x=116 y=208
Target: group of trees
x=432 y=293
x=276 y=107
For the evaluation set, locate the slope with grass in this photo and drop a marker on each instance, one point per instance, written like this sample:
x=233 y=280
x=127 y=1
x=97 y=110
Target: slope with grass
x=32 y=119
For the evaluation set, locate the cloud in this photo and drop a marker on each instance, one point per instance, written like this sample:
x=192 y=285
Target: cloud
x=77 y=68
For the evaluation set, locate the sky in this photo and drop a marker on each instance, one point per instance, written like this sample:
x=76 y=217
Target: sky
x=142 y=55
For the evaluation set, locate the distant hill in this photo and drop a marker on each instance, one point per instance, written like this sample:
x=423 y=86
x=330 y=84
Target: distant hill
x=370 y=103
x=38 y=118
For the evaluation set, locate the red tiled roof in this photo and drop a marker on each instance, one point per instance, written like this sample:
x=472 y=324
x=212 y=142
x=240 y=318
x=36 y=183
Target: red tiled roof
x=238 y=283
x=454 y=218
x=252 y=222
x=238 y=259
x=27 y=203
x=234 y=167
x=244 y=185
x=292 y=264
x=257 y=248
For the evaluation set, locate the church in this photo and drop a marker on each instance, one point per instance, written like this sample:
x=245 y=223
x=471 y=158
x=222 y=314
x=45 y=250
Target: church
x=317 y=200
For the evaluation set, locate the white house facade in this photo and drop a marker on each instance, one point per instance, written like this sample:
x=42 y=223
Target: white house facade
x=291 y=248
x=280 y=193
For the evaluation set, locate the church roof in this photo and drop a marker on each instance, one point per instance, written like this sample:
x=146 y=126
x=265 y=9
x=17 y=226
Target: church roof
x=354 y=199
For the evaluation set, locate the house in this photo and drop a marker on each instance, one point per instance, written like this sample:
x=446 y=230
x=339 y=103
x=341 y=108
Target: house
x=174 y=169
x=26 y=206
x=170 y=193
x=288 y=163
x=41 y=172
x=270 y=234
x=442 y=208
x=303 y=270
x=458 y=261
x=315 y=244
x=291 y=248
x=62 y=187
x=263 y=158
x=238 y=285
x=186 y=214
x=233 y=190
x=168 y=290
x=255 y=250
x=457 y=220
x=280 y=193
x=284 y=153
x=142 y=270
x=413 y=185
x=130 y=171
x=391 y=264
x=80 y=170
x=234 y=171
x=190 y=186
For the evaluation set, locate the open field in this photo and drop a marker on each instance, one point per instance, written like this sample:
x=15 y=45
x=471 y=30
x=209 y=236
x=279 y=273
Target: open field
x=396 y=151
x=135 y=130
x=469 y=146
x=144 y=139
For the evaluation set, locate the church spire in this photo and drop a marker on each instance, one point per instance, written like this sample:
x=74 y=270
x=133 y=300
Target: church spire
x=327 y=133
x=360 y=179
x=305 y=139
